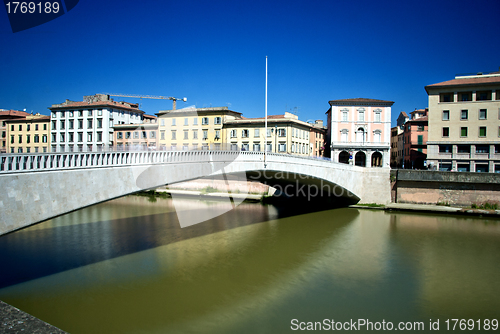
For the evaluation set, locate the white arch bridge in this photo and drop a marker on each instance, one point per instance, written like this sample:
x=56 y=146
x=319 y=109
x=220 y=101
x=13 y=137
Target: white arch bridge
x=37 y=187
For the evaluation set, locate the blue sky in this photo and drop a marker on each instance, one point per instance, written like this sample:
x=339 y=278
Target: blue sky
x=213 y=53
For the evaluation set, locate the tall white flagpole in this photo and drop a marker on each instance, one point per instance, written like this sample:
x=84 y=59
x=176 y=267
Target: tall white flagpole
x=265 y=122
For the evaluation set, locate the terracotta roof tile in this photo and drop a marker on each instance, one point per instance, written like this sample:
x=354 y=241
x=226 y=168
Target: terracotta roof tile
x=364 y=101
x=15 y=113
x=467 y=81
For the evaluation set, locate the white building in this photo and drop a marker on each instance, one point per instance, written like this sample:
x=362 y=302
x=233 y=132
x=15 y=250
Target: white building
x=88 y=125
x=359 y=131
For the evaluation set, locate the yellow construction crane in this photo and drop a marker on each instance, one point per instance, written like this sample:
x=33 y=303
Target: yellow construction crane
x=174 y=99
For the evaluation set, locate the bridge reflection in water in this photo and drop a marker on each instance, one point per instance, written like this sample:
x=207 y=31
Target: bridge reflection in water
x=252 y=269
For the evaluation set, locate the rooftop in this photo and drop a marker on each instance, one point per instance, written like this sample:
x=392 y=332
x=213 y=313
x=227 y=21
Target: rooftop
x=98 y=100
x=470 y=80
x=196 y=110
x=13 y=113
x=359 y=101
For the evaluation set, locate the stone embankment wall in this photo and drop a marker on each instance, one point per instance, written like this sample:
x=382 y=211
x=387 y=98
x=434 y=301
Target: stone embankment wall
x=453 y=188
x=233 y=186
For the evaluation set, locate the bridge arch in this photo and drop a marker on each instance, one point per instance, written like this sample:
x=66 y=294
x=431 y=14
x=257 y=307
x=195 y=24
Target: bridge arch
x=41 y=186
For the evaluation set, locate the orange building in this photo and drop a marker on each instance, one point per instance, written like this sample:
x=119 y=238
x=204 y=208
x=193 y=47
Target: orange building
x=415 y=139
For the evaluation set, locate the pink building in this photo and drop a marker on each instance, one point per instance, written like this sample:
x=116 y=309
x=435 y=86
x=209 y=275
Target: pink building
x=415 y=139
x=359 y=131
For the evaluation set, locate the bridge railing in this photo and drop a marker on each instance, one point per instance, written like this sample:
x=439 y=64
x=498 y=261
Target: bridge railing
x=14 y=163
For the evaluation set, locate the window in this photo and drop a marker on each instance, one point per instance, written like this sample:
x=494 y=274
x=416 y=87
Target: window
x=256 y=133
x=162 y=135
x=377 y=117
x=162 y=122
x=464 y=115
x=44 y=138
x=89 y=124
x=205 y=134
x=463 y=149
x=99 y=136
x=70 y=114
x=62 y=137
x=89 y=137
x=136 y=135
x=195 y=121
x=482 y=149
x=218 y=120
x=483 y=95
x=36 y=127
x=464 y=96
x=204 y=121
x=377 y=134
x=119 y=135
x=282 y=132
x=128 y=135
x=269 y=147
x=71 y=137
x=233 y=134
x=256 y=147
x=80 y=137
x=244 y=133
x=444 y=148
x=80 y=113
x=497 y=149
x=282 y=147
x=343 y=135
x=446 y=132
x=217 y=134
x=446 y=97
x=269 y=132
x=483 y=114
x=446 y=115
x=186 y=134
x=173 y=121
x=420 y=128
x=36 y=138
x=244 y=147
x=482 y=131
x=54 y=114
x=62 y=125
x=90 y=113
x=144 y=135
x=152 y=134
x=234 y=147
x=345 y=116
x=99 y=123
x=20 y=150
x=70 y=124
x=28 y=127
x=463 y=131
x=54 y=126
x=80 y=124
x=45 y=127
x=195 y=134
x=20 y=139
x=186 y=121
x=361 y=115
x=99 y=112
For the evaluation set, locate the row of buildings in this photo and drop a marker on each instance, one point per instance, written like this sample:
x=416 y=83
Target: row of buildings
x=459 y=131
x=98 y=123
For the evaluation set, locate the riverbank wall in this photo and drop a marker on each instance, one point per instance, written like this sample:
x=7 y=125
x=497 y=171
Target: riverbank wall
x=446 y=188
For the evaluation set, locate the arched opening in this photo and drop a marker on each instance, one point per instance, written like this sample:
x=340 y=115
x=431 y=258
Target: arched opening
x=360 y=135
x=377 y=159
x=344 y=157
x=360 y=159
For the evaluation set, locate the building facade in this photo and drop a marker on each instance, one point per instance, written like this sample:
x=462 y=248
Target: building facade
x=194 y=128
x=464 y=124
x=87 y=126
x=6 y=115
x=359 y=131
x=137 y=137
x=415 y=140
x=30 y=134
x=285 y=134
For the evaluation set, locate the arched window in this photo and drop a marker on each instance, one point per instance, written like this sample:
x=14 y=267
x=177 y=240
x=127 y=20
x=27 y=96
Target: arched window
x=344 y=157
x=377 y=159
x=360 y=159
x=360 y=135
x=344 y=135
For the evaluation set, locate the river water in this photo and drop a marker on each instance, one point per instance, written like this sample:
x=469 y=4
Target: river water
x=126 y=266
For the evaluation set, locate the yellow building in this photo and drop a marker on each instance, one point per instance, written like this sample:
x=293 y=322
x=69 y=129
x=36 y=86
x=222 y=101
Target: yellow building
x=285 y=134
x=194 y=128
x=6 y=115
x=28 y=135
x=464 y=124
